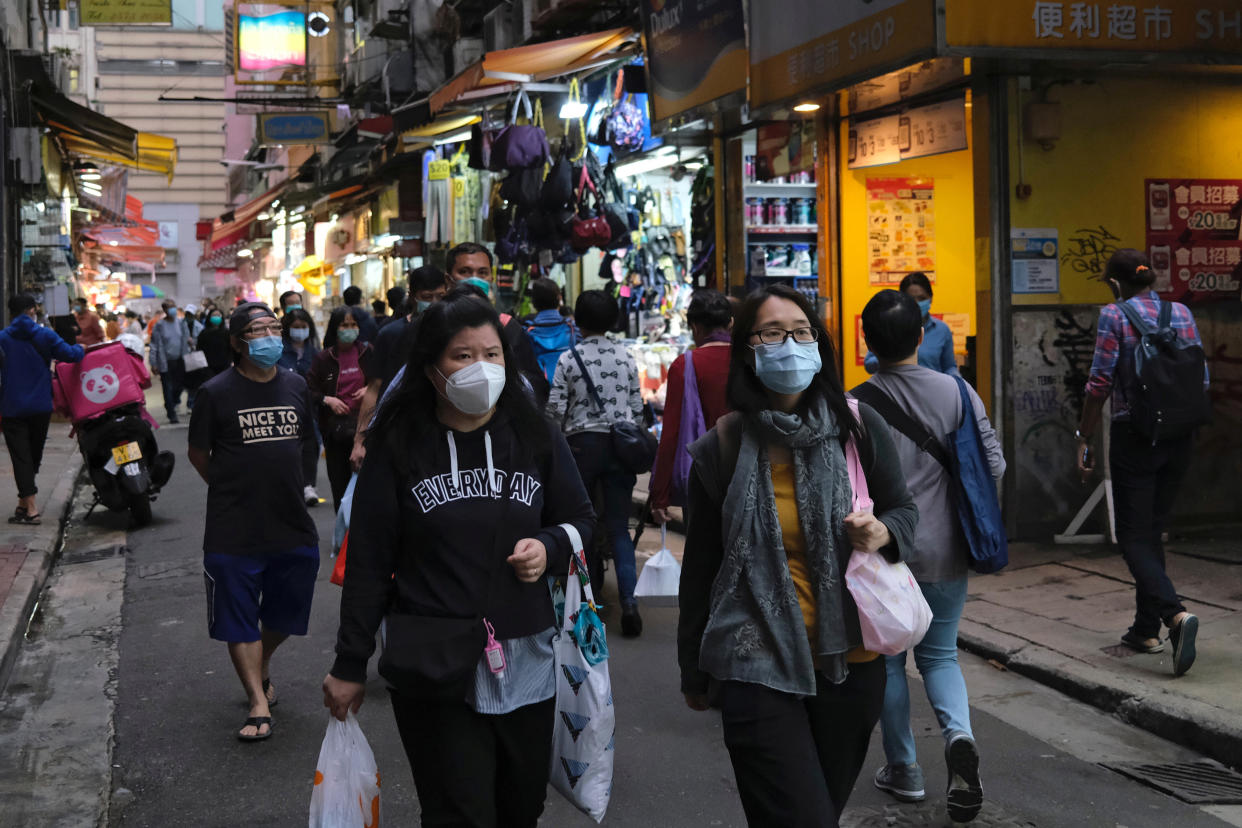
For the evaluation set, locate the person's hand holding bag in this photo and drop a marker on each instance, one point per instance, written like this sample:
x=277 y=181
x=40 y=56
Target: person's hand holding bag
x=342 y=697
x=866 y=532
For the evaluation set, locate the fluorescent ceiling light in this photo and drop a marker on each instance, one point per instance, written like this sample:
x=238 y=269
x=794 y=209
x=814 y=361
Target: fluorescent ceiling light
x=648 y=165
x=573 y=109
x=89 y=175
x=114 y=243
x=455 y=138
x=264 y=216
x=245 y=253
x=807 y=107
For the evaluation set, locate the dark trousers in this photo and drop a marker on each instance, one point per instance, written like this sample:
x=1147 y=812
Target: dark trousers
x=1146 y=480
x=796 y=760
x=173 y=381
x=25 y=437
x=598 y=466
x=477 y=771
x=336 y=458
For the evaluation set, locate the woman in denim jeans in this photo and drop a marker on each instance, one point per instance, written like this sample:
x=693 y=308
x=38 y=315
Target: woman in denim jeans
x=588 y=430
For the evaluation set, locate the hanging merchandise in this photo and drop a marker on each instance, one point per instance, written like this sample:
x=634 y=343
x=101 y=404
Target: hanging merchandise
x=703 y=227
x=521 y=146
x=482 y=135
x=589 y=228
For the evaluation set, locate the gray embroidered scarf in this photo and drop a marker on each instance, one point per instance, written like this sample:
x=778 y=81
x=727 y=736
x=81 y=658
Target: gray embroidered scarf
x=755 y=631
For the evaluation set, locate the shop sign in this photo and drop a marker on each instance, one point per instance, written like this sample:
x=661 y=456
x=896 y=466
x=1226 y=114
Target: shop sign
x=1034 y=260
x=811 y=45
x=901 y=228
x=784 y=148
x=294 y=128
x=903 y=84
x=125 y=12
x=696 y=52
x=271 y=41
x=1193 y=239
x=874 y=142
x=916 y=133
x=1146 y=26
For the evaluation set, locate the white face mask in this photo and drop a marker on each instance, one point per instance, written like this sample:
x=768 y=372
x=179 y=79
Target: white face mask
x=476 y=388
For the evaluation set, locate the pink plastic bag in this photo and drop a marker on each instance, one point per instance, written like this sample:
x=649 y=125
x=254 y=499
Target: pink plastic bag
x=892 y=611
x=107 y=377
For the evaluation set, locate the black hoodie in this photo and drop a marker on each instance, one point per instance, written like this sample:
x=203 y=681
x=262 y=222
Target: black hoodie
x=423 y=540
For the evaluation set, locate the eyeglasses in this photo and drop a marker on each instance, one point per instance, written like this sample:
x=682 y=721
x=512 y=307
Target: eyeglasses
x=777 y=336
x=267 y=330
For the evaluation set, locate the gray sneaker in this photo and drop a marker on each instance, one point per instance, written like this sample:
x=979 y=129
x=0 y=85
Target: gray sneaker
x=903 y=782
x=965 y=792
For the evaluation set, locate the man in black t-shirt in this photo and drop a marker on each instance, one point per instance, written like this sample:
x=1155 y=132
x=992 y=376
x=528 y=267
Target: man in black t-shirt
x=260 y=547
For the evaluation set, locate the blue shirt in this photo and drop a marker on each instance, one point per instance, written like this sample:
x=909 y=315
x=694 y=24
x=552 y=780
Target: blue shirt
x=935 y=353
x=28 y=350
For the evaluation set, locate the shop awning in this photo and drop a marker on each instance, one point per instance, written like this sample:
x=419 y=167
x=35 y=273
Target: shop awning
x=84 y=133
x=499 y=71
x=233 y=226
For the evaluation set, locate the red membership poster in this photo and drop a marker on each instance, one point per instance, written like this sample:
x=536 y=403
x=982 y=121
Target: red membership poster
x=1194 y=237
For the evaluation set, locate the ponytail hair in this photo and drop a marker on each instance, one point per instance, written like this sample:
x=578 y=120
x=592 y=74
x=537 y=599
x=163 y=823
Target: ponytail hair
x=1131 y=267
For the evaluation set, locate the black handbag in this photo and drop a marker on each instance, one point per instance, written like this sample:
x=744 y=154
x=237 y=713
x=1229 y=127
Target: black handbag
x=558 y=187
x=433 y=657
x=634 y=446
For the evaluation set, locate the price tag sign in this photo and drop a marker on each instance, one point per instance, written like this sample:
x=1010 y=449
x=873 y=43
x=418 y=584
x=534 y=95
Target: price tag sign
x=874 y=142
x=439 y=170
x=931 y=130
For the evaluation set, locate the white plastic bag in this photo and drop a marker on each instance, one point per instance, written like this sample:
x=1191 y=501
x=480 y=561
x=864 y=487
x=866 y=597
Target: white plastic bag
x=342 y=514
x=347 y=783
x=661 y=574
x=892 y=612
x=583 y=734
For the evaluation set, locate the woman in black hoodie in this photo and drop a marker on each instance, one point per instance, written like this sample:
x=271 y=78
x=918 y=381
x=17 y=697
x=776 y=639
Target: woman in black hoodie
x=456 y=520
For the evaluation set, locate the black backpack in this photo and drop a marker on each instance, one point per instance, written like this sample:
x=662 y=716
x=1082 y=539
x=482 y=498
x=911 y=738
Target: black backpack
x=1171 y=400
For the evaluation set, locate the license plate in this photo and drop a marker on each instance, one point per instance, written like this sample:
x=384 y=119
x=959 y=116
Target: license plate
x=127 y=453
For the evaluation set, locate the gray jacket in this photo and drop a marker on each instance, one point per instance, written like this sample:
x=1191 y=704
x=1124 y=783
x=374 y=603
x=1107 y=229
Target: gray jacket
x=932 y=399
x=170 y=339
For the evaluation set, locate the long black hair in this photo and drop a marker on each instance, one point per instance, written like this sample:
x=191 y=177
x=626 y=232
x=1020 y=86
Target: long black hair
x=334 y=322
x=747 y=394
x=410 y=410
x=299 y=315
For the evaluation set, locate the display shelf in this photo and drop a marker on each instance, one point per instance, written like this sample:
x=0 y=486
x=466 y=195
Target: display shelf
x=785 y=273
x=760 y=187
x=783 y=229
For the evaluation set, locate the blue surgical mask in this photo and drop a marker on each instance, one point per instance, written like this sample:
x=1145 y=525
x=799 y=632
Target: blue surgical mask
x=787 y=368
x=266 y=350
x=422 y=305
x=215 y=320
x=299 y=334
x=292 y=308
x=925 y=307
x=172 y=312
x=348 y=336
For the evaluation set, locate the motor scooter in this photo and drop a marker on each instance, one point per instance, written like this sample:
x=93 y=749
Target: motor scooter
x=102 y=395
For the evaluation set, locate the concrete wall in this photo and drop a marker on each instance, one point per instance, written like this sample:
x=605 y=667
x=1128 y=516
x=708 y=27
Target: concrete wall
x=181 y=278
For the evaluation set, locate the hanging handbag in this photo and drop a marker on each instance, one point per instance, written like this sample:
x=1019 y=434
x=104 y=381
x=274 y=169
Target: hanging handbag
x=523 y=186
x=480 y=145
x=519 y=146
x=584 y=728
x=589 y=229
x=892 y=612
x=434 y=657
x=634 y=446
x=558 y=187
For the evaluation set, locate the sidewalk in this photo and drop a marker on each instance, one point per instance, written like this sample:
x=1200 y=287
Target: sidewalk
x=27 y=552
x=1056 y=615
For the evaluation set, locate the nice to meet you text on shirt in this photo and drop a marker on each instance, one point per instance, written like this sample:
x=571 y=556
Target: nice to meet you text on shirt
x=439 y=489
x=274 y=422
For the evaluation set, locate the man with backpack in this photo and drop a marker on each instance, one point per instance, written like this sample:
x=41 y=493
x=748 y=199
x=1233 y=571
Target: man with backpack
x=551 y=334
x=921 y=407
x=1149 y=359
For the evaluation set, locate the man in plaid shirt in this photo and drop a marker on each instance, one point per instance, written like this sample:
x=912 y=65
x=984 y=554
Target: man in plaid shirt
x=1146 y=475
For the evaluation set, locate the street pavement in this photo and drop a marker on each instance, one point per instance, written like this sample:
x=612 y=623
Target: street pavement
x=120 y=711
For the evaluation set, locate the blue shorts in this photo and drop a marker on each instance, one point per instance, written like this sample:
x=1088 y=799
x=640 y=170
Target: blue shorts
x=274 y=590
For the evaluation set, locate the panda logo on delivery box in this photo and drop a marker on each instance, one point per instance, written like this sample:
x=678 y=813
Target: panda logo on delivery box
x=100 y=385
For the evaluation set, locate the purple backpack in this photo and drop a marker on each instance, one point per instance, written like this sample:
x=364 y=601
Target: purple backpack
x=692 y=426
x=520 y=146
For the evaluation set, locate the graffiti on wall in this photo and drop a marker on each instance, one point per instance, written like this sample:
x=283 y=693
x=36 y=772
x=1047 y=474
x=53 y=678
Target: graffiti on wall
x=1088 y=249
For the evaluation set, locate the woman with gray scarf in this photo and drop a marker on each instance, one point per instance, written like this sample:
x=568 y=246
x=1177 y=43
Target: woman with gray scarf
x=768 y=629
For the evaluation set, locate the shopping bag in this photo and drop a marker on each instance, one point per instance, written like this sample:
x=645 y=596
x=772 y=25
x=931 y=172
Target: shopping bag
x=661 y=574
x=195 y=361
x=338 y=569
x=892 y=612
x=347 y=783
x=342 y=514
x=583 y=735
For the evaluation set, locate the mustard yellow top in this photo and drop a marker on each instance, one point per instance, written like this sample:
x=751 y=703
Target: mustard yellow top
x=795 y=550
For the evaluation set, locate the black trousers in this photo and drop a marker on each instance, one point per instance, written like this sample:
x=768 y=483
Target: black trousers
x=796 y=760
x=173 y=381
x=336 y=457
x=25 y=437
x=477 y=771
x=1146 y=480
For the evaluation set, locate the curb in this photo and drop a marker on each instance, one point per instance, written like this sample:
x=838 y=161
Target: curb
x=40 y=557
x=1181 y=720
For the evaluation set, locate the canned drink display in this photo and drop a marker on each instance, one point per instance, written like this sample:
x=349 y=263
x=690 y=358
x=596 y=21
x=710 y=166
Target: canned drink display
x=778 y=211
x=800 y=211
x=748 y=166
x=755 y=211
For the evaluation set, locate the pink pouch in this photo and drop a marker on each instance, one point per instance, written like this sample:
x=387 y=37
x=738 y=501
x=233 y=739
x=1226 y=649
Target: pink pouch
x=892 y=612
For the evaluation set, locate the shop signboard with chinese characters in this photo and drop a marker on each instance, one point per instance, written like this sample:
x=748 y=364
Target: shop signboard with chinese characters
x=1194 y=237
x=125 y=12
x=696 y=52
x=808 y=46
x=901 y=229
x=271 y=43
x=1156 y=26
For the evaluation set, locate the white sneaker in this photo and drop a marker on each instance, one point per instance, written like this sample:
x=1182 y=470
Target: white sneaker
x=310 y=496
